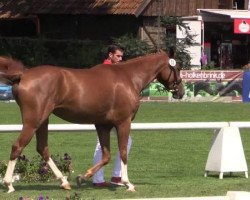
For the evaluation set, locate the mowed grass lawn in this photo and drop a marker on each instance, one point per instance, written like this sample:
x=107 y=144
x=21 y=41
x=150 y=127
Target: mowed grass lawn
x=167 y=163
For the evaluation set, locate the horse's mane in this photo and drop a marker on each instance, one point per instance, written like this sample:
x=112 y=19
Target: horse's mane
x=143 y=57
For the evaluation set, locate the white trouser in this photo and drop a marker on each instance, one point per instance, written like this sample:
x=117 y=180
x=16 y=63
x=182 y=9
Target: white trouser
x=99 y=175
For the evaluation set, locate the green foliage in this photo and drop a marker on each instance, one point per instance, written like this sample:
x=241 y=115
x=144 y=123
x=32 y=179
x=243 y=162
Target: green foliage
x=37 y=169
x=132 y=46
x=171 y=22
x=3 y=167
x=74 y=53
x=30 y=51
x=75 y=196
x=210 y=66
x=179 y=45
x=69 y=53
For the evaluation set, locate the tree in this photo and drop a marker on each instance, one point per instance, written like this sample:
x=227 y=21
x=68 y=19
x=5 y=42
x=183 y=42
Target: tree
x=132 y=46
x=178 y=46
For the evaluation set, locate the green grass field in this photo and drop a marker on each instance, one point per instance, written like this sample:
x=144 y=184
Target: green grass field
x=161 y=163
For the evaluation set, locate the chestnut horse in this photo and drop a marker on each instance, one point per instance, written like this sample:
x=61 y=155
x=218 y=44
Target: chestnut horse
x=105 y=95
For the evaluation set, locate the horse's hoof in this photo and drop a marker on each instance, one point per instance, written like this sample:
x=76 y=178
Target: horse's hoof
x=79 y=181
x=11 y=190
x=131 y=187
x=9 y=186
x=66 y=186
x=131 y=190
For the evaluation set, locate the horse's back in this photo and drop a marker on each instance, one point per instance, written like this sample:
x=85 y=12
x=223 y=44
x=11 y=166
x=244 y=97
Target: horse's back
x=49 y=77
x=72 y=91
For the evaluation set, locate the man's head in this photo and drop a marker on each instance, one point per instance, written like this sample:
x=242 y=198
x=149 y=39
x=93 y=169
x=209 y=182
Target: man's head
x=115 y=53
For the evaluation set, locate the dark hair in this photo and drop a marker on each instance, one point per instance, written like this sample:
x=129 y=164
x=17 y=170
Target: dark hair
x=113 y=48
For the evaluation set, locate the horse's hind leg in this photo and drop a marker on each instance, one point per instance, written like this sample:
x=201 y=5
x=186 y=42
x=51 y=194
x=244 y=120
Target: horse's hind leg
x=23 y=139
x=104 y=139
x=43 y=150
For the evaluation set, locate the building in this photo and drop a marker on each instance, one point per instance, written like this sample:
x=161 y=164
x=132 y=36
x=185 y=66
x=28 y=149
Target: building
x=102 y=20
x=226 y=36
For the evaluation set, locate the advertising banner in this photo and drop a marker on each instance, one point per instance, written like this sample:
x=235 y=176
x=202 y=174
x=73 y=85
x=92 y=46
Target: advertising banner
x=203 y=85
x=214 y=85
x=246 y=86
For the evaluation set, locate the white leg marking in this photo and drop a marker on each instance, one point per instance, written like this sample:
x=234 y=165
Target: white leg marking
x=54 y=168
x=125 y=180
x=8 y=175
x=58 y=174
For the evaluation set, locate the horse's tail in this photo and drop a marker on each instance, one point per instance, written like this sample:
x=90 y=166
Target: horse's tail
x=10 y=70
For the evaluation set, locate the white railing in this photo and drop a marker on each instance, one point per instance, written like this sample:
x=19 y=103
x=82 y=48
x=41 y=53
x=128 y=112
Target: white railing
x=134 y=126
x=226 y=146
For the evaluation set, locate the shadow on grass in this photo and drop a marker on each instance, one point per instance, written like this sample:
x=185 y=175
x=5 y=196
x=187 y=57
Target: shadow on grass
x=88 y=185
x=227 y=175
x=49 y=187
x=36 y=186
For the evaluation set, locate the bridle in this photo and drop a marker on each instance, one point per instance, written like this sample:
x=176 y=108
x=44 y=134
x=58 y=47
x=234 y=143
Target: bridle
x=177 y=81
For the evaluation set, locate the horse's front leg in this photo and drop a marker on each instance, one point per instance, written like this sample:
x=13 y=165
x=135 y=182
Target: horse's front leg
x=23 y=139
x=104 y=139
x=123 y=131
x=43 y=150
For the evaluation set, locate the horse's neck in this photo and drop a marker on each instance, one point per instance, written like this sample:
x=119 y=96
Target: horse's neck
x=142 y=73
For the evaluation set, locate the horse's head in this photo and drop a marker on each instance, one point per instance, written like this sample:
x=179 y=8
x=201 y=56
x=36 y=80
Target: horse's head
x=169 y=76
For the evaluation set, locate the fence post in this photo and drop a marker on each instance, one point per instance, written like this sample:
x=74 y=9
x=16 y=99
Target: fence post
x=226 y=153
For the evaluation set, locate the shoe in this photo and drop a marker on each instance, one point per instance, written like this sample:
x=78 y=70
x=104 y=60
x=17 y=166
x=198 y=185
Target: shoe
x=101 y=185
x=116 y=181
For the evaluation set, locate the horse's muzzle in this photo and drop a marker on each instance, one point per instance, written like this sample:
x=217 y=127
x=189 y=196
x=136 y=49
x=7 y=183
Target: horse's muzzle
x=177 y=94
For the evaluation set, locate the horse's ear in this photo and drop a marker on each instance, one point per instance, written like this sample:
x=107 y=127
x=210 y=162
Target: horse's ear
x=160 y=51
x=171 y=53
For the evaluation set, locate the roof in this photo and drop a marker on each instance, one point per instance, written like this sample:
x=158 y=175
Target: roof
x=13 y=8
x=223 y=14
x=22 y=8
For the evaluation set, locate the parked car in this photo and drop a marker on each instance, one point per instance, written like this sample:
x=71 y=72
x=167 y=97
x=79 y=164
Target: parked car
x=5 y=92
